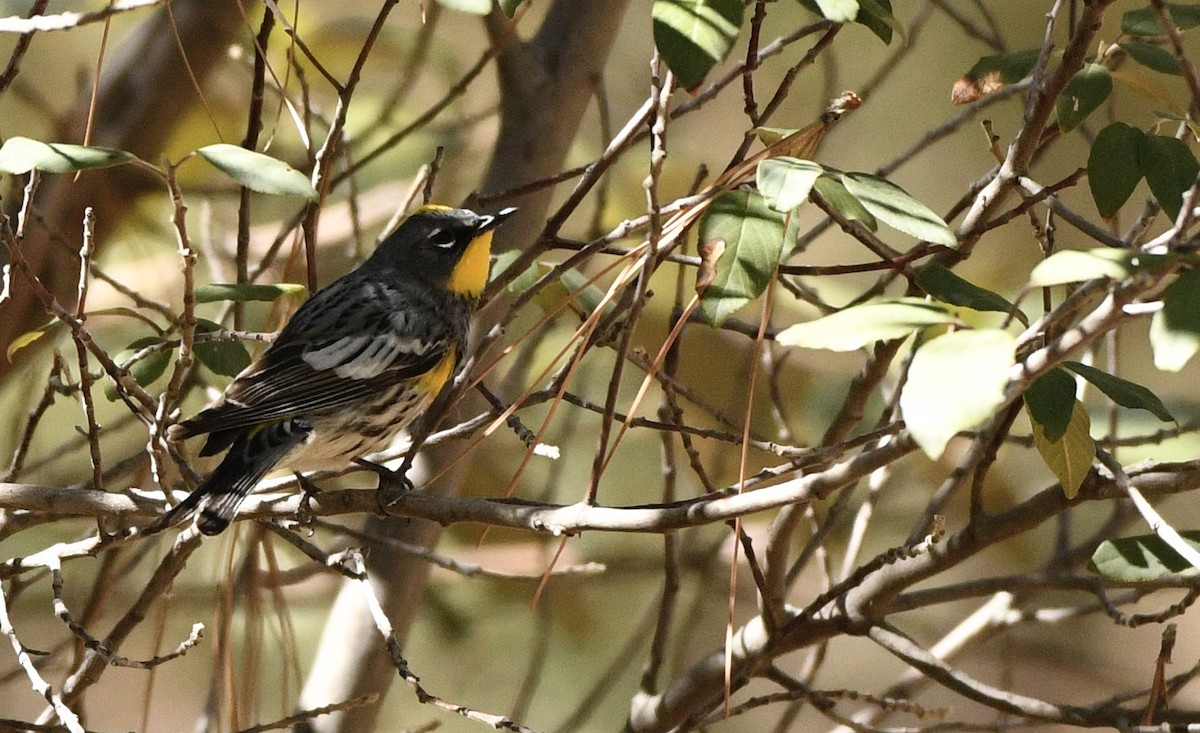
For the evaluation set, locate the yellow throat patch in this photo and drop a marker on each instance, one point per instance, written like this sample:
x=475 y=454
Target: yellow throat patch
x=470 y=275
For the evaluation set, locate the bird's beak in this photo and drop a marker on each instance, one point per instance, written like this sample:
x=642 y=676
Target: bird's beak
x=488 y=222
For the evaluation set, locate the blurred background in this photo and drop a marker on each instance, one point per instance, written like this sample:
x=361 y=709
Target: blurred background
x=573 y=661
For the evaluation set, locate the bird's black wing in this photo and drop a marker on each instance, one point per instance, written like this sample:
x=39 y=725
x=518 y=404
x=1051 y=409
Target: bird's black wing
x=345 y=344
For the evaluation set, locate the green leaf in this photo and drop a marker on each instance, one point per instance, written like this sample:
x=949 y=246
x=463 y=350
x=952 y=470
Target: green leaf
x=245 y=292
x=227 y=358
x=835 y=195
x=948 y=287
x=1175 y=330
x=474 y=7
x=1050 y=400
x=1143 y=558
x=1069 y=265
x=838 y=11
x=955 y=382
x=1114 y=167
x=893 y=206
x=1170 y=168
x=772 y=135
x=859 y=325
x=791 y=233
x=1148 y=86
x=258 y=172
x=588 y=296
x=1144 y=21
x=1069 y=457
x=144 y=371
x=785 y=182
x=1086 y=91
x=1012 y=67
x=877 y=17
x=753 y=236
x=19 y=155
x=695 y=35
x=29 y=337
x=1122 y=391
x=1152 y=57
x=510 y=6
x=521 y=282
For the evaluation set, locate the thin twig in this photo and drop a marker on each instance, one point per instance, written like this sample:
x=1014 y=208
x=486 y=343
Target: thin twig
x=85 y=374
x=40 y=686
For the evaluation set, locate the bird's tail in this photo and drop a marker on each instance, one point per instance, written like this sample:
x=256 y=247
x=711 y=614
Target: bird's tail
x=253 y=453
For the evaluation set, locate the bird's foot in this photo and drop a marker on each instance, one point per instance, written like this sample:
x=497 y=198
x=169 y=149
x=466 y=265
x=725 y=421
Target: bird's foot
x=392 y=485
x=305 y=516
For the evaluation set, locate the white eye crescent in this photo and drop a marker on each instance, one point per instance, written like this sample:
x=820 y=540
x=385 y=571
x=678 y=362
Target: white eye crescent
x=444 y=238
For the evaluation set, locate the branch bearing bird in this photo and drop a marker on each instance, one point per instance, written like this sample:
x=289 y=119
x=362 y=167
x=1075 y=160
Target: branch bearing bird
x=357 y=362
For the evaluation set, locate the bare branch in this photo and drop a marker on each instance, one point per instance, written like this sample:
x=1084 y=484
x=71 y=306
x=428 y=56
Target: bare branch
x=67 y=21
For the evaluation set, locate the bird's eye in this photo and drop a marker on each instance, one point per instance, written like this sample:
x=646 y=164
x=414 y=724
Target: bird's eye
x=444 y=238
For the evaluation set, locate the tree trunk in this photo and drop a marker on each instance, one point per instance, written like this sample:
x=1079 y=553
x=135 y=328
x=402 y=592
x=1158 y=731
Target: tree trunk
x=546 y=85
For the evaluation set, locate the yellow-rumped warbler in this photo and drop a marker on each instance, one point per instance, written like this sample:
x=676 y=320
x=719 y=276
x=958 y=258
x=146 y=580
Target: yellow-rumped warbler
x=357 y=362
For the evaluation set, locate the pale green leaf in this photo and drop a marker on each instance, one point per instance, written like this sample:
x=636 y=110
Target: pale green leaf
x=246 y=292
x=1175 y=329
x=499 y=268
x=1143 y=558
x=19 y=155
x=785 y=182
x=835 y=195
x=860 y=325
x=587 y=295
x=1071 y=265
x=893 y=206
x=772 y=135
x=1069 y=457
x=258 y=172
x=955 y=382
x=839 y=11
x=474 y=7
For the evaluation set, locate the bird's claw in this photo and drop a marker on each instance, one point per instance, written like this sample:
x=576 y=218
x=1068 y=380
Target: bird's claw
x=392 y=486
x=305 y=516
x=391 y=489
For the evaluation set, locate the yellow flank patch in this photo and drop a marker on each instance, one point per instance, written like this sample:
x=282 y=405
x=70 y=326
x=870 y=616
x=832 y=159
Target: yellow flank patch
x=432 y=381
x=471 y=273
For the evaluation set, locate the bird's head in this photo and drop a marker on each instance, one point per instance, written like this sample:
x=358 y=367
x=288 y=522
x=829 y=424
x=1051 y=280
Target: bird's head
x=448 y=246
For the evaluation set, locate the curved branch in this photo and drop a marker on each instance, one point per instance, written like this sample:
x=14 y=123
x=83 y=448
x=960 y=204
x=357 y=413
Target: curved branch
x=556 y=519
x=865 y=604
